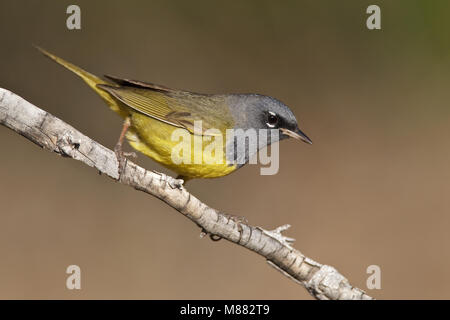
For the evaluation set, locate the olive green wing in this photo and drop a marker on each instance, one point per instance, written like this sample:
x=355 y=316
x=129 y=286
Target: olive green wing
x=177 y=108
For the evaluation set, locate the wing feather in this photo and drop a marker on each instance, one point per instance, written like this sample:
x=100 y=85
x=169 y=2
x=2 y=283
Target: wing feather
x=153 y=107
x=177 y=108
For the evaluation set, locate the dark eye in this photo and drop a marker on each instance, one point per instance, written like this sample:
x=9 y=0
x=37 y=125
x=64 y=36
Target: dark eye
x=272 y=119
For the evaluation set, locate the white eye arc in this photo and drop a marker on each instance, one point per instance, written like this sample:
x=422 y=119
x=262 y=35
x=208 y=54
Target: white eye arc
x=272 y=119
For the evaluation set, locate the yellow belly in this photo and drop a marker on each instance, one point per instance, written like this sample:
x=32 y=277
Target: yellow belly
x=154 y=139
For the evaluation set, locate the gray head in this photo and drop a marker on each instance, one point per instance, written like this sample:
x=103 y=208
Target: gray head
x=254 y=111
x=264 y=112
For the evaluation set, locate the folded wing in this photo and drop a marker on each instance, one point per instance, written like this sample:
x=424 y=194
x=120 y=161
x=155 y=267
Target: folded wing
x=177 y=108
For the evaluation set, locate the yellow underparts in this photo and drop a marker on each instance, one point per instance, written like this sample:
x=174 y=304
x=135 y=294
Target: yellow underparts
x=155 y=139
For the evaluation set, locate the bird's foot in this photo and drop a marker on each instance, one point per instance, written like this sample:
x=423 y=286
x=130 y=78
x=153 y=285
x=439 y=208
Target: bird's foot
x=120 y=155
x=122 y=158
x=174 y=183
x=277 y=235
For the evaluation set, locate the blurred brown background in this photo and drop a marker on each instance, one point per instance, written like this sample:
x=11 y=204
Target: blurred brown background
x=373 y=189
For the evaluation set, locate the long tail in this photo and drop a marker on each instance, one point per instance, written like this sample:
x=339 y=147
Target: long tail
x=90 y=79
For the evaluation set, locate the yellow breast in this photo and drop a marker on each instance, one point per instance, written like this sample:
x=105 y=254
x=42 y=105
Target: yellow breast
x=156 y=140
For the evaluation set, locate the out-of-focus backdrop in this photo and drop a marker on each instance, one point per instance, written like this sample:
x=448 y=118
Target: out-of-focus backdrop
x=373 y=189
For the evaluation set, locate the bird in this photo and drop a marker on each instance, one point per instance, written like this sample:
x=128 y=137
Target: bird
x=151 y=113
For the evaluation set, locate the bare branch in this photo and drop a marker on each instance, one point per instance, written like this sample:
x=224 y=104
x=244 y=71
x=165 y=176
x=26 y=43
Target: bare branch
x=51 y=133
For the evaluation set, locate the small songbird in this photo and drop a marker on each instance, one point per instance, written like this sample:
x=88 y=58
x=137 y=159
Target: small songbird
x=152 y=112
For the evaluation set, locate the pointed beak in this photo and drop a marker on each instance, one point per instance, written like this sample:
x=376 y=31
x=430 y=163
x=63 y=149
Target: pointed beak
x=299 y=135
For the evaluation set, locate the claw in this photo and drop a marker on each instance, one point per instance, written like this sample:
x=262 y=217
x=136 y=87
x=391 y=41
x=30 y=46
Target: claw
x=130 y=155
x=122 y=160
x=171 y=181
x=120 y=155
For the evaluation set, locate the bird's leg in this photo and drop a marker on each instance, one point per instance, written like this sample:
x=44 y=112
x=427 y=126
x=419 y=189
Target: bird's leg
x=121 y=156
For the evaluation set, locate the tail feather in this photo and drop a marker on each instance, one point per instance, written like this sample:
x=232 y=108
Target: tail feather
x=92 y=80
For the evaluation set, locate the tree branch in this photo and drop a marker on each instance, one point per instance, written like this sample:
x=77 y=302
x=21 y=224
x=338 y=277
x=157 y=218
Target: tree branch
x=51 y=133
